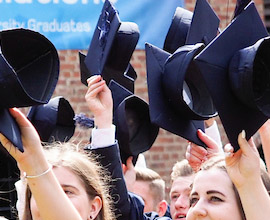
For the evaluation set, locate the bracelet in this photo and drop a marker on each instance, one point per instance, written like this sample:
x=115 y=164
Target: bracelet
x=39 y=175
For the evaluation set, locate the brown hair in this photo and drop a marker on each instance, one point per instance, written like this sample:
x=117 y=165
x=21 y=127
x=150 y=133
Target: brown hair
x=89 y=171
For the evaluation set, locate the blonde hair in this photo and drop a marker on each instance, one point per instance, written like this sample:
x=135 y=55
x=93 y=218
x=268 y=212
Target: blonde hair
x=85 y=166
x=181 y=169
x=156 y=183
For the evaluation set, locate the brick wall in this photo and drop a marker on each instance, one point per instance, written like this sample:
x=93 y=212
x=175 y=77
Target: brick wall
x=168 y=148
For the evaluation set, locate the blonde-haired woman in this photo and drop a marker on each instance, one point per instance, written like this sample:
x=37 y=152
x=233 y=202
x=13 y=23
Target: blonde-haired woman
x=62 y=182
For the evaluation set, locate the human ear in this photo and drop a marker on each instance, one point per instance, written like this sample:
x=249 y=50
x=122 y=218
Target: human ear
x=162 y=208
x=96 y=205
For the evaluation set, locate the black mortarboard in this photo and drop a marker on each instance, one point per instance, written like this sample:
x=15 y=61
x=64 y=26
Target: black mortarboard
x=161 y=113
x=111 y=48
x=249 y=76
x=202 y=32
x=179 y=102
x=126 y=79
x=177 y=33
x=102 y=40
x=240 y=6
x=29 y=70
x=53 y=121
x=134 y=131
x=119 y=93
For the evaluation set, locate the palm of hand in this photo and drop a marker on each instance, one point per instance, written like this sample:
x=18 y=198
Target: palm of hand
x=242 y=167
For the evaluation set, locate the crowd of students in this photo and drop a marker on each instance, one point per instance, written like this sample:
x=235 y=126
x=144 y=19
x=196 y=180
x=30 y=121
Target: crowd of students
x=63 y=181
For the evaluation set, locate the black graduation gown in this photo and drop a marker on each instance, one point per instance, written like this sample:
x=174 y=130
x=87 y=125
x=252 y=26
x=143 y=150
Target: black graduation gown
x=128 y=206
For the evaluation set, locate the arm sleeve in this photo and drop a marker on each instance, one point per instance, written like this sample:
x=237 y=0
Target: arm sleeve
x=127 y=205
x=213 y=132
x=102 y=137
x=110 y=159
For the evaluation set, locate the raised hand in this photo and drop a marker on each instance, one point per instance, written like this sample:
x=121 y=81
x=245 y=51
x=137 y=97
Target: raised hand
x=244 y=165
x=51 y=200
x=244 y=170
x=99 y=101
x=33 y=156
x=196 y=154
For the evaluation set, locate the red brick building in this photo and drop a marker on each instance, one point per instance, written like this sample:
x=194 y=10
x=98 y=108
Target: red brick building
x=168 y=148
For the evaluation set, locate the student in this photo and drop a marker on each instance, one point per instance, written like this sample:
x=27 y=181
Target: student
x=181 y=179
x=149 y=185
x=99 y=101
x=69 y=186
x=213 y=194
x=182 y=176
x=236 y=185
x=132 y=207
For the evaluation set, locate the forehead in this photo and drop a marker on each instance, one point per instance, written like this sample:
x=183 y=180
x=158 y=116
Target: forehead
x=66 y=177
x=181 y=184
x=213 y=179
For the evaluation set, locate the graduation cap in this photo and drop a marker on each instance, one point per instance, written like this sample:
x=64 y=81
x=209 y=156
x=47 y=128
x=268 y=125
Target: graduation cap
x=119 y=93
x=53 y=121
x=240 y=6
x=111 y=48
x=236 y=71
x=179 y=101
x=29 y=70
x=134 y=131
x=127 y=78
x=178 y=30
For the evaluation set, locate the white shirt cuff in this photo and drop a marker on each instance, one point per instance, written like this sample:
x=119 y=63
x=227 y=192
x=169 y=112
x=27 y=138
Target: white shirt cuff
x=104 y=137
x=213 y=132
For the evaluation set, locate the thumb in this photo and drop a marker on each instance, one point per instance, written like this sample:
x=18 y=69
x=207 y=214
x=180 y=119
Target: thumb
x=245 y=146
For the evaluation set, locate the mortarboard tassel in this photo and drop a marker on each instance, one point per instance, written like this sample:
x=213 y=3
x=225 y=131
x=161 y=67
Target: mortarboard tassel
x=84 y=121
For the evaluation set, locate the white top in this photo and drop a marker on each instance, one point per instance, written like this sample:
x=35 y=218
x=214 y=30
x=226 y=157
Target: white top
x=213 y=132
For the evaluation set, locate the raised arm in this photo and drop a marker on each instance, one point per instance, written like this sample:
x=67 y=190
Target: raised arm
x=99 y=101
x=245 y=172
x=51 y=200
